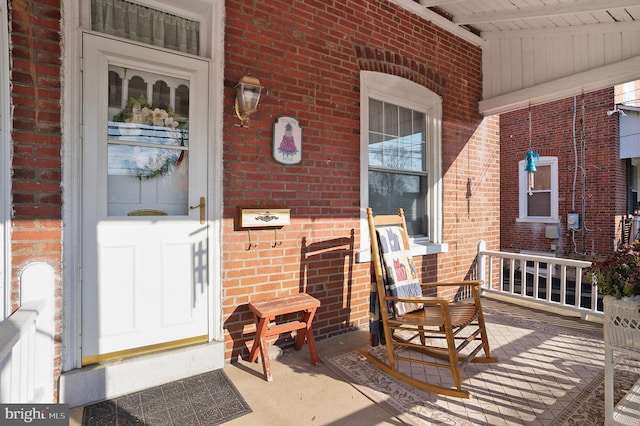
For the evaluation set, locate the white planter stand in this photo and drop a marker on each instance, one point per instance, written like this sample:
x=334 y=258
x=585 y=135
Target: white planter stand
x=622 y=336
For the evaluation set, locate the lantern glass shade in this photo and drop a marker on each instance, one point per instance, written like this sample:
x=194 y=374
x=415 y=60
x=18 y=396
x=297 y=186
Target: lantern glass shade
x=248 y=92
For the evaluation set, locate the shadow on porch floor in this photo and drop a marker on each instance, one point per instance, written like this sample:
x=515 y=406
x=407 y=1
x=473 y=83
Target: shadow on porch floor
x=303 y=394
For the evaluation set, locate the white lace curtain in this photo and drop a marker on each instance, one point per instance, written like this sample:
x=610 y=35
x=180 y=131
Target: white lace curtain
x=146 y=25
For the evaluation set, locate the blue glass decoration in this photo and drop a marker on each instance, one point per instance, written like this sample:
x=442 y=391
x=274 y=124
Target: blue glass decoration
x=531 y=157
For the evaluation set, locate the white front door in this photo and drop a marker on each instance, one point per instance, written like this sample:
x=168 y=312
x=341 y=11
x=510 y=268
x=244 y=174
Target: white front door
x=145 y=276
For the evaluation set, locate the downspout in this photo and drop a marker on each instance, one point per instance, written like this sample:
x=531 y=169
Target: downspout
x=575 y=170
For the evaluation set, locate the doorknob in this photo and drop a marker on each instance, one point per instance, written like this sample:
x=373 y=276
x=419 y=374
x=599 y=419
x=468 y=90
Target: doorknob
x=201 y=205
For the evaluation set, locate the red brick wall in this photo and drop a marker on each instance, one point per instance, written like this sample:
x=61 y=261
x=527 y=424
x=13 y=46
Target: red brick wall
x=36 y=144
x=308 y=55
x=603 y=188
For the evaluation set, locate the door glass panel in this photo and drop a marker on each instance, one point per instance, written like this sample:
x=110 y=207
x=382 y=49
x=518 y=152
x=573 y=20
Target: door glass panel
x=147 y=144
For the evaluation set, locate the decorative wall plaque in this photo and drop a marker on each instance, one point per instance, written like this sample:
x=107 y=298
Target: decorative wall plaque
x=264 y=217
x=287 y=140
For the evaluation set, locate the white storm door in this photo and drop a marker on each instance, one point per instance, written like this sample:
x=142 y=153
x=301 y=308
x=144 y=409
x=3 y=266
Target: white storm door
x=145 y=278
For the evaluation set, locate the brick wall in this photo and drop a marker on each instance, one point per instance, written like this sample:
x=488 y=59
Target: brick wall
x=603 y=187
x=36 y=228
x=308 y=55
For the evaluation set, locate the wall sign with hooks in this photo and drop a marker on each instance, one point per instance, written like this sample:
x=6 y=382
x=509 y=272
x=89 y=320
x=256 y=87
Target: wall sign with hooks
x=259 y=217
x=264 y=217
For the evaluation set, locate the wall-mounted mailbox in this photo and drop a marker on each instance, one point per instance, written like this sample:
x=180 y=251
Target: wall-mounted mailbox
x=264 y=217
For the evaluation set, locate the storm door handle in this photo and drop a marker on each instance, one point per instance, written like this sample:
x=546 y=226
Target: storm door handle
x=201 y=205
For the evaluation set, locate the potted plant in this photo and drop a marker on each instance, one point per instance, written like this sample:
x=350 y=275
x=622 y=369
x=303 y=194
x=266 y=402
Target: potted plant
x=617 y=278
x=619 y=274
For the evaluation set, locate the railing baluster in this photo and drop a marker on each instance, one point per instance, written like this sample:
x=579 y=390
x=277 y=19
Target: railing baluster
x=523 y=277
x=563 y=285
x=578 y=290
x=491 y=269
x=536 y=279
x=512 y=276
x=549 y=282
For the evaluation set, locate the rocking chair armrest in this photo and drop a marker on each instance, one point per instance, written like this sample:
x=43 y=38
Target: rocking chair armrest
x=427 y=300
x=473 y=283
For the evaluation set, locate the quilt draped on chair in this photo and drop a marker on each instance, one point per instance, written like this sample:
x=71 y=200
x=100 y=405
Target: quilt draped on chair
x=400 y=280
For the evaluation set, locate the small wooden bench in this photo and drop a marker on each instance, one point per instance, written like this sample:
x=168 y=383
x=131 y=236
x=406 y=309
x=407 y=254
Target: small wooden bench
x=265 y=313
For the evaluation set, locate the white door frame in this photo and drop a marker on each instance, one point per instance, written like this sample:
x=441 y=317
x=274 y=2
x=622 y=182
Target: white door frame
x=213 y=13
x=5 y=168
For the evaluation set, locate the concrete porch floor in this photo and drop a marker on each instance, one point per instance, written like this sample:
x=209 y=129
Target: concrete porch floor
x=301 y=394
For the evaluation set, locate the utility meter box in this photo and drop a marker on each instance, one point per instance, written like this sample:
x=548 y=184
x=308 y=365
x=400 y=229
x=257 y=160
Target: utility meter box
x=573 y=221
x=552 y=232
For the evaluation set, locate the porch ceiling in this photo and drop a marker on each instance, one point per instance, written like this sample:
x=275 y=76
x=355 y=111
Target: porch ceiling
x=536 y=51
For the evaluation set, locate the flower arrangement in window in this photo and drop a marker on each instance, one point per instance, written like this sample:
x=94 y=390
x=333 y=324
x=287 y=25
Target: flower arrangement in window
x=139 y=111
x=157 y=125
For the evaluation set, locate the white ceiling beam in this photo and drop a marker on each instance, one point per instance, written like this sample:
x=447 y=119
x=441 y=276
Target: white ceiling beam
x=576 y=84
x=440 y=21
x=432 y=3
x=617 y=27
x=545 y=11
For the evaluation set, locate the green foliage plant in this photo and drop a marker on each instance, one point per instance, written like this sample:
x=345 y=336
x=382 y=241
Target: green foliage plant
x=619 y=274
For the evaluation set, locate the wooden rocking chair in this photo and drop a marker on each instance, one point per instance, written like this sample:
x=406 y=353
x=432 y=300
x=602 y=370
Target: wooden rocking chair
x=450 y=333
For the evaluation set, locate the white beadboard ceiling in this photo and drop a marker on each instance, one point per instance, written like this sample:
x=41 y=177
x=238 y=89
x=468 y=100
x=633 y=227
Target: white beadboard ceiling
x=537 y=51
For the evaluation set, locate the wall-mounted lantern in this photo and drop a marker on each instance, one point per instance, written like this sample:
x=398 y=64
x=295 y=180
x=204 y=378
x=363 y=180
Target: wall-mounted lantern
x=248 y=92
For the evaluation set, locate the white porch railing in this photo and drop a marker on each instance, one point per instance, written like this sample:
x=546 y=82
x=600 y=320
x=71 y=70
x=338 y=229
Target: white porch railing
x=26 y=340
x=17 y=355
x=551 y=283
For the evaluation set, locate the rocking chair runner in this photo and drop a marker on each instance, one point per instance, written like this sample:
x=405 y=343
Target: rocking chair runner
x=450 y=333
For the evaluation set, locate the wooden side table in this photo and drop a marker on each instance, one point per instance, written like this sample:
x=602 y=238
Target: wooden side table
x=265 y=313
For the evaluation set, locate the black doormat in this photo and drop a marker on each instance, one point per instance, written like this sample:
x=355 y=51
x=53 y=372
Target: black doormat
x=203 y=400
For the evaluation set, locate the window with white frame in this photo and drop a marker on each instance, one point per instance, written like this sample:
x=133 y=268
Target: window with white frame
x=401 y=156
x=539 y=203
x=397 y=162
